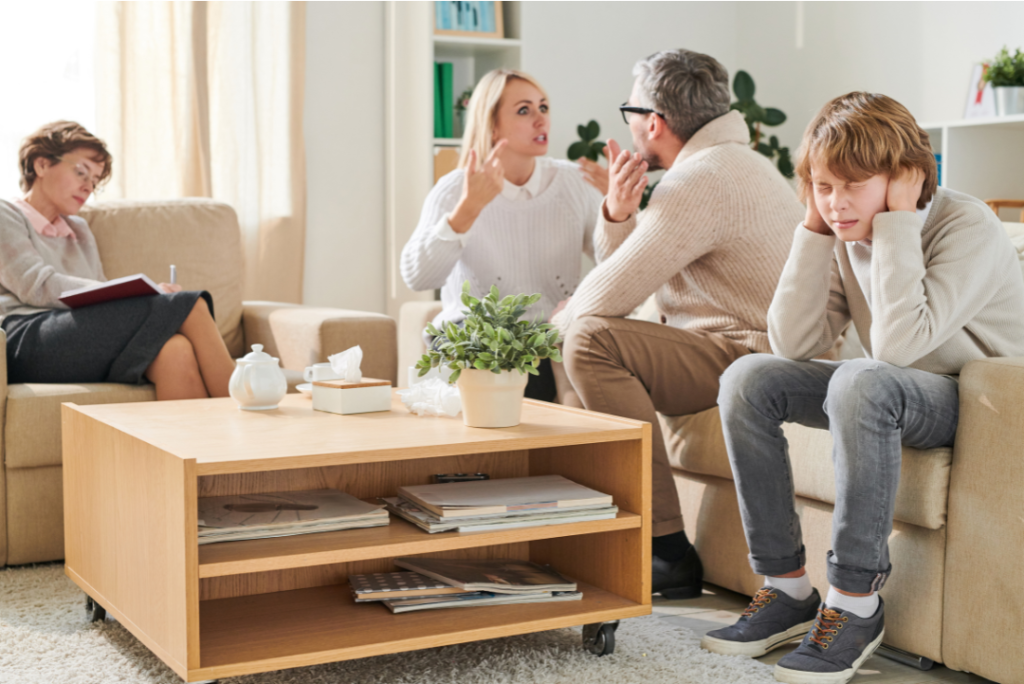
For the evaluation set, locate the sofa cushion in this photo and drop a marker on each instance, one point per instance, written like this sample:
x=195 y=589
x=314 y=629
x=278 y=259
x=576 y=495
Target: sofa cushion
x=695 y=445
x=32 y=432
x=199 y=236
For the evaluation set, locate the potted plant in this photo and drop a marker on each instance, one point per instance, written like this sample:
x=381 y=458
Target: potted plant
x=491 y=354
x=1006 y=74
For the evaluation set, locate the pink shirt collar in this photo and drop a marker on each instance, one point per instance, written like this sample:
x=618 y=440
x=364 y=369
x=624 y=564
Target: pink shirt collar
x=58 y=228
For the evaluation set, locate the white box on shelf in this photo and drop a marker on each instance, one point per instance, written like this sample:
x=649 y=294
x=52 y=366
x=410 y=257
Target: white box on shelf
x=340 y=396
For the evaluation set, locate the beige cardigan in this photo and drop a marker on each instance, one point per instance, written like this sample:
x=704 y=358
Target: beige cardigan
x=943 y=292
x=712 y=242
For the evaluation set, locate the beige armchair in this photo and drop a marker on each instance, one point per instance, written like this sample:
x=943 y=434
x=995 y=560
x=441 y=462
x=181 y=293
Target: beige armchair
x=202 y=238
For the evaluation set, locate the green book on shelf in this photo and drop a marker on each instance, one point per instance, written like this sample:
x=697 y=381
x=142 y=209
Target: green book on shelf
x=438 y=116
x=447 y=99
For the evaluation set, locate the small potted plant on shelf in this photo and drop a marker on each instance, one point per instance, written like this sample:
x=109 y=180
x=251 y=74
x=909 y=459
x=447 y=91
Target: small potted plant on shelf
x=1006 y=74
x=491 y=355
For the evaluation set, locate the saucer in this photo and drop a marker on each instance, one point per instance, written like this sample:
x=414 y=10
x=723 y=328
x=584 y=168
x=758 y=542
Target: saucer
x=306 y=388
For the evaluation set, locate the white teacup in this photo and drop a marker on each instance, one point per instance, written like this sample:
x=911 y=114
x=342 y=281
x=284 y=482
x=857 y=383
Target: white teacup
x=319 y=371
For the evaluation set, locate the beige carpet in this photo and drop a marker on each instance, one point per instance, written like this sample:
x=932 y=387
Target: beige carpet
x=46 y=638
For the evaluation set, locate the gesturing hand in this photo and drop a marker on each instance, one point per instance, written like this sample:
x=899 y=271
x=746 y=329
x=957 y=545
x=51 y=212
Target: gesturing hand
x=482 y=183
x=905 y=190
x=813 y=221
x=626 y=183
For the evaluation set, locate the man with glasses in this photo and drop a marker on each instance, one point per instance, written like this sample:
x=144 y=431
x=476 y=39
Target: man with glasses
x=711 y=243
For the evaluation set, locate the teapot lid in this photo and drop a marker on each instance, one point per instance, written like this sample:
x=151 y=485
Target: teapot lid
x=257 y=355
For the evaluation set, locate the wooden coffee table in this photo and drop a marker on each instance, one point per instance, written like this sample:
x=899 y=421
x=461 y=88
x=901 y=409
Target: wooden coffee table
x=133 y=474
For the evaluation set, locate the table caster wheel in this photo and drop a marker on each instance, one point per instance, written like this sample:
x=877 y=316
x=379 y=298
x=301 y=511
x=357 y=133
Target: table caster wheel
x=599 y=638
x=95 y=611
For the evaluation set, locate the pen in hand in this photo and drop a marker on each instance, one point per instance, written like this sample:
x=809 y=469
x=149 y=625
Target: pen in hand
x=174 y=274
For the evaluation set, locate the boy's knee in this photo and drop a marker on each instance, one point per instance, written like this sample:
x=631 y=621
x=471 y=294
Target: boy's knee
x=861 y=382
x=747 y=377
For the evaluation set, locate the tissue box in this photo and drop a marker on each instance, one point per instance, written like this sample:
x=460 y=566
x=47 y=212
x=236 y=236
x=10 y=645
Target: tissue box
x=340 y=396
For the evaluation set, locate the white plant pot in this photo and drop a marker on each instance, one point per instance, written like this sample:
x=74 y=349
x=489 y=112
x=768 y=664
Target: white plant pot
x=492 y=400
x=1009 y=100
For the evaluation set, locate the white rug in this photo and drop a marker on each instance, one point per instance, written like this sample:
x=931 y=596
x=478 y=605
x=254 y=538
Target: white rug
x=45 y=637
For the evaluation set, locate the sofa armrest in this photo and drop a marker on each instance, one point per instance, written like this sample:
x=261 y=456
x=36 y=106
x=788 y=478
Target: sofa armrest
x=983 y=605
x=412 y=320
x=3 y=455
x=303 y=335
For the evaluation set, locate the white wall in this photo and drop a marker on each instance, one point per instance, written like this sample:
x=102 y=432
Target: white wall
x=344 y=125
x=583 y=53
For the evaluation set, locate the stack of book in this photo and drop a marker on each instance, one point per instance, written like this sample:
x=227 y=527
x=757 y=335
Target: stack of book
x=462 y=583
x=444 y=100
x=487 y=505
x=475 y=17
x=280 y=514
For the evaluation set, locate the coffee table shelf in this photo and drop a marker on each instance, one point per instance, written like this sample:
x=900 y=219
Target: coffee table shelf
x=134 y=473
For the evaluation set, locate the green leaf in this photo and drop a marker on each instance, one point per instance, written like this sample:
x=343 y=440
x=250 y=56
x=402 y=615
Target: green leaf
x=481 y=365
x=532 y=371
x=577 y=149
x=593 y=130
x=743 y=86
x=581 y=130
x=785 y=163
x=465 y=286
x=766 y=150
x=773 y=117
x=454 y=376
x=774 y=142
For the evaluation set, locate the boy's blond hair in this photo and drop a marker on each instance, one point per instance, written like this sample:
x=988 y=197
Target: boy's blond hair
x=859 y=135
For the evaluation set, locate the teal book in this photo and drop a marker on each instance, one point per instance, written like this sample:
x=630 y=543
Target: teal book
x=438 y=106
x=447 y=100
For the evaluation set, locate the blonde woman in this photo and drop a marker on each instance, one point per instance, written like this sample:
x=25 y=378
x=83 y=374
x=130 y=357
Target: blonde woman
x=508 y=215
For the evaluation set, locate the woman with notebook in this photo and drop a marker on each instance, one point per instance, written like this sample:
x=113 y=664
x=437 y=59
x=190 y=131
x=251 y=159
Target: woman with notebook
x=46 y=249
x=508 y=215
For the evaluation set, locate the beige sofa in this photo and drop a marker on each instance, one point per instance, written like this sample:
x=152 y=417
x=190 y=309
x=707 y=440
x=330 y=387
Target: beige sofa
x=957 y=545
x=202 y=238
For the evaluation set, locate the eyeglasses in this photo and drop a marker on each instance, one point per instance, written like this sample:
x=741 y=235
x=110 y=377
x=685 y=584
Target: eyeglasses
x=82 y=172
x=626 y=107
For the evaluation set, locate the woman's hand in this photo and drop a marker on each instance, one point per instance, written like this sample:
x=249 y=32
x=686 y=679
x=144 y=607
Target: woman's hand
x=482 y=183
x=559 y=308
x=905 y=190
x=169 y=288
x=595 y=174
x=813 y=220
x=626 y=183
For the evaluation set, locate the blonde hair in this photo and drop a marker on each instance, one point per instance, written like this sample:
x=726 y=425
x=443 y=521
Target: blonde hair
x=859 y=135
x=483 y=111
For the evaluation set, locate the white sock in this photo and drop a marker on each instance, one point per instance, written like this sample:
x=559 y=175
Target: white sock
x=861 y=606
x=795 y=587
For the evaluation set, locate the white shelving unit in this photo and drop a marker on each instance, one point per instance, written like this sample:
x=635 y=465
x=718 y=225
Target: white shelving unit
x=982 y=157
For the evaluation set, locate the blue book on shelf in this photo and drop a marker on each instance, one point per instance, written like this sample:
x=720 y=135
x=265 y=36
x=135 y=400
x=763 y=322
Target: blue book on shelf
x=487 y=17
x=474 y=15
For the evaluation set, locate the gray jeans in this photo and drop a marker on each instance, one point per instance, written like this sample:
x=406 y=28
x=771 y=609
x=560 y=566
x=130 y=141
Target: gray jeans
x=871 y=408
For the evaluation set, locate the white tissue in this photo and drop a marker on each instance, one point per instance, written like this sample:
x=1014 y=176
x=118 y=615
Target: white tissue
x=431 y=395
x=346 y=364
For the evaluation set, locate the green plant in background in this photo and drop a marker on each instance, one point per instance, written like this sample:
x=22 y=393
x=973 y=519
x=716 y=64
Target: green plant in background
x=492 y=337
x=1006 y=70
x=588 y=145
x=756 y=116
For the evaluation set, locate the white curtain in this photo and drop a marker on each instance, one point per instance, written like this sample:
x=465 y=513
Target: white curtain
x=200 y=99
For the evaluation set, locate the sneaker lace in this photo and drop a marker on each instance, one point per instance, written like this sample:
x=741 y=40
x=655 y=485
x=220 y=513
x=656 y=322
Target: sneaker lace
x=762 y=598
x=827 y=625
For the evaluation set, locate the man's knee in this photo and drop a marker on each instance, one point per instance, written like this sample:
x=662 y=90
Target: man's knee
x=577 y=340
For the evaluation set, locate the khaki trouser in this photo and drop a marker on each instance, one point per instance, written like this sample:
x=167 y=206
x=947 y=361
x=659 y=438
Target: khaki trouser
x=635 y=369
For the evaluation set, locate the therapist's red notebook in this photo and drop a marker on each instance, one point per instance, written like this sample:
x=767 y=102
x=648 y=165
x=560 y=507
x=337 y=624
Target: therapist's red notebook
x=137 y=285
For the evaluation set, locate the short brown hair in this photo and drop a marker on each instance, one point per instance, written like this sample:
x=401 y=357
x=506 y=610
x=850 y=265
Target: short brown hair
x=52 y=142
x=859 y=135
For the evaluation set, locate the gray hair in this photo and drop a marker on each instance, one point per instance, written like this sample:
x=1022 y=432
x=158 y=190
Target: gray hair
x=688 y=88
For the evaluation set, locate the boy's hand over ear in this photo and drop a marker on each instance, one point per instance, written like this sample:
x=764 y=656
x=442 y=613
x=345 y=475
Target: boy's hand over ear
x=905 y=190
x=626 y=183
x=813 y=221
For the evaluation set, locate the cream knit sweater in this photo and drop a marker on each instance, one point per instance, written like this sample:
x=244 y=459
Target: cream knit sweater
x=943 y=291
x=712 y=242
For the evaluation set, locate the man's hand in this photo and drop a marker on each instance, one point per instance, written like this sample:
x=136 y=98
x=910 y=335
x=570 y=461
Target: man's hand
x=595 y=174
x=626 y=183
x=813 y=220
x=482 y=183
x=905 y=190
x=168 y=288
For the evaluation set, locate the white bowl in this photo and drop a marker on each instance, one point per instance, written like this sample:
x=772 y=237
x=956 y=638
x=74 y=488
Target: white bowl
x=306 y=388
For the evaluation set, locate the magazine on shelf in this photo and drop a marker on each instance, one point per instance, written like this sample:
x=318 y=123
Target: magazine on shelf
x=137 y=285
x=277 y=514
x=379 y=586
x=498 y=575
x=483 y=497
x=496 y=521
x=479 y=598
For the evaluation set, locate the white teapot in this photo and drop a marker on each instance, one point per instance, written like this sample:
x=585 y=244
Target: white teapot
x=258 y=383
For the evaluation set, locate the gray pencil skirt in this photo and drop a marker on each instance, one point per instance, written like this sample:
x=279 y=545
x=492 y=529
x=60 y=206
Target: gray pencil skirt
x=110 y=342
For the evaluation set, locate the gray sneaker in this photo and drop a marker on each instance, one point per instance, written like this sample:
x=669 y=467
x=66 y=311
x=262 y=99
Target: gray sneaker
x=832 y=651
x=772 y=619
